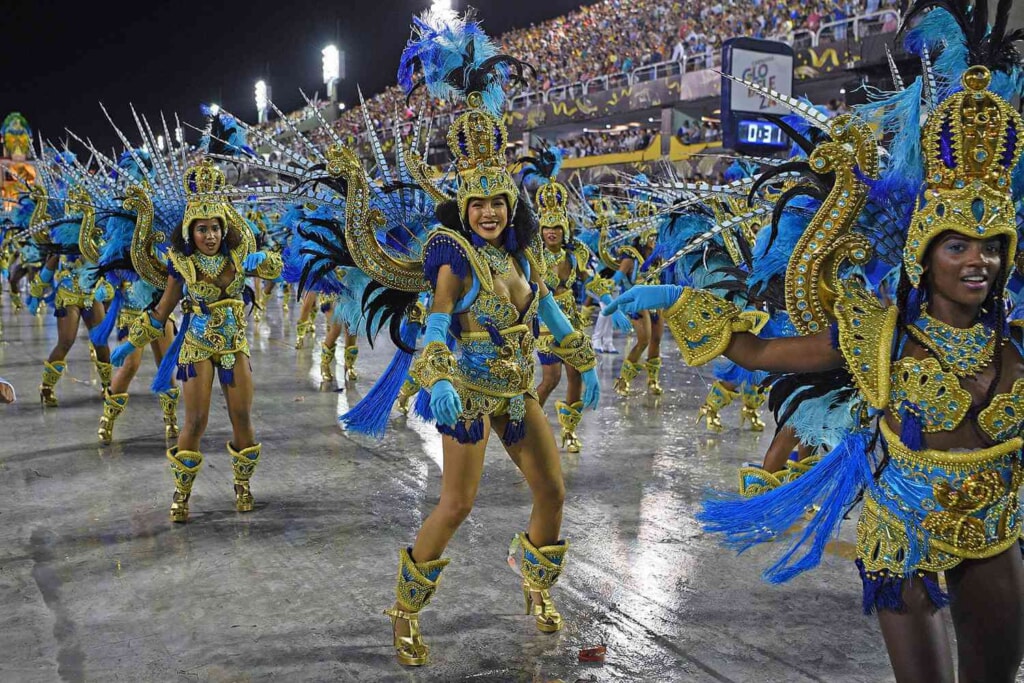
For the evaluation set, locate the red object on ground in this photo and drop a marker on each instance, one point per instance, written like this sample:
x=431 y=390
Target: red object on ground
x=593 y=654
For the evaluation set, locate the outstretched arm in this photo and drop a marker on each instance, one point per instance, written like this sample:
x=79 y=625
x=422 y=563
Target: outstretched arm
x=813 y=353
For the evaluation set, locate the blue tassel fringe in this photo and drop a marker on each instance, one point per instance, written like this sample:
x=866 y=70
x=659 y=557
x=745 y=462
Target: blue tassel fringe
x=370 y=415
x=162 y=380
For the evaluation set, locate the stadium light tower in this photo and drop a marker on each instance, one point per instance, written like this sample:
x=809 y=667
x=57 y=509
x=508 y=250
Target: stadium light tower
x=262 y=101
x=333 y=63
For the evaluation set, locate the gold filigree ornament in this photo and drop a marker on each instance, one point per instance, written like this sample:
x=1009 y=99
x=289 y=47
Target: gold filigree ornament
x=828 y=241
x=970 y=144
x=934 y=395
x=145 y=240
x=435 y=362
x=703 y=324
x=552 y=207
x=576 y=351
x=40 y=215
x=866 y=329
x=89 y=235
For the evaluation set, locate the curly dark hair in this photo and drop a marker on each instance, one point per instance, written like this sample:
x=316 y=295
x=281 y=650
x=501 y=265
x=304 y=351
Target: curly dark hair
x=522 y=228
x=185 y=247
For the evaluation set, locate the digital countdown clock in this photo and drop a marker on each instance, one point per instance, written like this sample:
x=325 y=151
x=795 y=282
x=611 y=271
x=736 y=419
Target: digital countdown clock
x=760 y=133
x=745 y=111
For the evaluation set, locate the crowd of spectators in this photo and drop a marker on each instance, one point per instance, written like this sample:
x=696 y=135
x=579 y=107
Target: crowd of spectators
x=593 y=143
x=616 y=36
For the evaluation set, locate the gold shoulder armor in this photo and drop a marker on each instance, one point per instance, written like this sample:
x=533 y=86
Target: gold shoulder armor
x=480 y=269
x=183 y=264
x=866 y=330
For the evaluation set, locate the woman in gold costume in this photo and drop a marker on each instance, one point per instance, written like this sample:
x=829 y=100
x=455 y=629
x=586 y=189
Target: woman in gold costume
x=210 y=257
x=935 y=446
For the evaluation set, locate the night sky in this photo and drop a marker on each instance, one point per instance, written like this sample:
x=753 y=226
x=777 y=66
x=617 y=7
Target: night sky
x=61 y=58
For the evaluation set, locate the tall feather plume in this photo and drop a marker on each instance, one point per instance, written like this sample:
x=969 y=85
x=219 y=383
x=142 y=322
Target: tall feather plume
x=457 y=58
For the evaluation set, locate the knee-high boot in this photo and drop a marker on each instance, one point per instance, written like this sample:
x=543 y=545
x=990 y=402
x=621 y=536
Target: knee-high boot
x=243 y=464
x=541 y=569
x=184 y=466
x=417 y=582
x=626 y=375
x=113 y=406
x=52 y=372
x=569 y=416
x=753 y=397
x=169 y=406
x=719 y=396
x=351 y=354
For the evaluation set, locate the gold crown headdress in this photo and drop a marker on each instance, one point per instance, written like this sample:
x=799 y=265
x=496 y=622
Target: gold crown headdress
x=477 y=140
x=204 y=184
x=553 y=205
x=970 y=144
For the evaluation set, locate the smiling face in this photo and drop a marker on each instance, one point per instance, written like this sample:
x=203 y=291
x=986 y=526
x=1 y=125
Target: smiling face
x=207 y=235
x=488 y=217
x=961 y=271
x=553 y=236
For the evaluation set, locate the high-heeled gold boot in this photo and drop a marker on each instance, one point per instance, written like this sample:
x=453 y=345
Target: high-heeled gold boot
x=243 y=464
x=756 y=480
x=406 y=394
x=169 y=406
x=52 y=372
x=719 y=396
x=106 y=372
x=113 y=406
x=16 y=300
x=417 y=582
x=327 y=359
x=541 y=569
x=626 y=375
x=303 y=329
x=286 y=293
x=351 y=354
x=185 y=466
x=653 y=366
x=753 y=397
x=569 y=416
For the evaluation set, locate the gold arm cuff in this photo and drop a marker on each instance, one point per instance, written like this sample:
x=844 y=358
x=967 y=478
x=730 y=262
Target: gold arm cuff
x=271 y=267
x=142 y=332
x=703 y=324
x=435 y=362
x=37 y=288
x=576 y=351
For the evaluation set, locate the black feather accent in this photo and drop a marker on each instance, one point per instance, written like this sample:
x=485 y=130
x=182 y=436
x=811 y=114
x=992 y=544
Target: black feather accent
x=801 y=387
x=387 y=307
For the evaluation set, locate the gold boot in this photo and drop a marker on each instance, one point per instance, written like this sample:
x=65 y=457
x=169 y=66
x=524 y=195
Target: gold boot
x=243 y=464
x=753 y=398
x=113 y=406
x=417 y=582
x=541 y=569
x=92 y=353
x=629 y=371
x=169 y=406
x=16 y=300
x=52 y=372
x=406 y=395
x=185 y=466
x=351 y=353
x=327 y=358
x=303 y=329
x=719 y=396
x=653 y=366
x=106 y=372
x=286 y=292
x=569 y=416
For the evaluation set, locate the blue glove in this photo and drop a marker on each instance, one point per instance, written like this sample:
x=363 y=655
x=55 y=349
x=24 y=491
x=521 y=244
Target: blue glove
x=645 y=298
x=445 y=403
x=253 y=261
x=46 y=275
x=119 y=355
x=33 y=305
x=591 y=388
x=619 y=321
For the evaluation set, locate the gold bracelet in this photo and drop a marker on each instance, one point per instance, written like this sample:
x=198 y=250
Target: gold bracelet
x=142 y=332
x=703 y=324
x=435 y=362
x=576 y=351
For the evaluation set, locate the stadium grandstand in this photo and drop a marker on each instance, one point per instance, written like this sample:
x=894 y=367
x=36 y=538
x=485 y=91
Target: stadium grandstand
x=625 y=82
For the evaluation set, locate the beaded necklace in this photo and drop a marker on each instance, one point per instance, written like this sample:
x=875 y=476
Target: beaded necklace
x=211 y=266
x=497 y=259
x=961 y=351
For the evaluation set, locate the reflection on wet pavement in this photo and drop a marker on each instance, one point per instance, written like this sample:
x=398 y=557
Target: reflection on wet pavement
x=98 y=585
